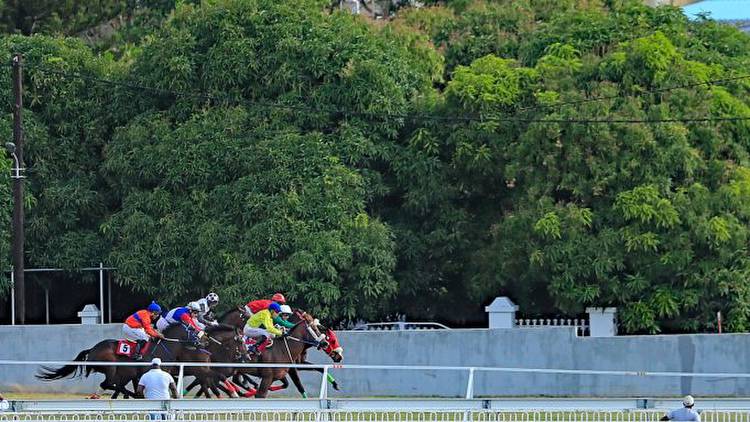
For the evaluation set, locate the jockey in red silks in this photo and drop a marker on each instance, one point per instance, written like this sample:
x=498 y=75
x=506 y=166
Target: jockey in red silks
x=182 y=315
x=138 y=327
x=255 y=306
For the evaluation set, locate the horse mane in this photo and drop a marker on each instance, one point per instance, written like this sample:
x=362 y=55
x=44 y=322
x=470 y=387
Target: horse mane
x=224 y=315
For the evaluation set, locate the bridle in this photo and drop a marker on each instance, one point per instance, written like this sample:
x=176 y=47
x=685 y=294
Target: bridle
x=318 y=339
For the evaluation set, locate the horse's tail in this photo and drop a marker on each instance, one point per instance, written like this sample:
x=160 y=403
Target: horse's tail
x=48 y=373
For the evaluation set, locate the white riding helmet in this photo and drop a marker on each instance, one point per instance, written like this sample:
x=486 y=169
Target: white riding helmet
x=194 y=306
x=688 y=401
x=286 y=309
x=212 y=298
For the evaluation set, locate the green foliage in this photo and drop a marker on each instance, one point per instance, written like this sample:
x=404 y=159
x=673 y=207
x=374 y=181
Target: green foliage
x=308 y=165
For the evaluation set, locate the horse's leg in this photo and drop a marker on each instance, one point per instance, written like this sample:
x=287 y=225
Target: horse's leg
x=247 y=378
x=192 y=385
x=212 y=385
x=221 y=382
x=294 y=375
x=265 y=383
x=109 y=383
x=284 y=384
x=332 y=380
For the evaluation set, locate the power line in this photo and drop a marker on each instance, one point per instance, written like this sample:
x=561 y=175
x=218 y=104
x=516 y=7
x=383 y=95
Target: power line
x=418 y=116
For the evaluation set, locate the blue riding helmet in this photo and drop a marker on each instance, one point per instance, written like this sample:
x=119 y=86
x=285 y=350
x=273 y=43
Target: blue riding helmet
x=275 y=307
x=154 y=307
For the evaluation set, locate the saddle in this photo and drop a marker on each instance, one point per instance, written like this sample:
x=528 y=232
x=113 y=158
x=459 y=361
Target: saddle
x=125 y=348
x=256 y=349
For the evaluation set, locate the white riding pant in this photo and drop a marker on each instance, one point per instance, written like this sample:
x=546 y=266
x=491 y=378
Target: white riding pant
x=256 y=332
x=134 y=334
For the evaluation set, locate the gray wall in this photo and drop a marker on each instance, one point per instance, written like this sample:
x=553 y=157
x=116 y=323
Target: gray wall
x=525 y=348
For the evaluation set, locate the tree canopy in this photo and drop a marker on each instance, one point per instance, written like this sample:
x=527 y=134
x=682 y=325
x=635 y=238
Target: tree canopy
x=563 y=153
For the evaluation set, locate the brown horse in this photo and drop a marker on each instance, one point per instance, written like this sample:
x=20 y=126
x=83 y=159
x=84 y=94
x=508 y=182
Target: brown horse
x=180 y=346
x=287 y=349
x=220 y=354
x=332 y=348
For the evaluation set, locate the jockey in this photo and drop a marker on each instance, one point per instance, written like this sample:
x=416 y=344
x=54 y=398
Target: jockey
x=182 y=315
x=261 y=325
x=205 y=313
x=138 y=327
x=255 y=306
x=283 y=319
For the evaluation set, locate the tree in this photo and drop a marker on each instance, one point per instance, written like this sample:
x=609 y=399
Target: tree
x=257 y=187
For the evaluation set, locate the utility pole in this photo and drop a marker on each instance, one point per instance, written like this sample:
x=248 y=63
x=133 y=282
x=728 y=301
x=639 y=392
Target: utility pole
x=18 y=234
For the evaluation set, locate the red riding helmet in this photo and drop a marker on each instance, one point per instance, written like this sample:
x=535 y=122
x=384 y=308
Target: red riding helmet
x=279 y=298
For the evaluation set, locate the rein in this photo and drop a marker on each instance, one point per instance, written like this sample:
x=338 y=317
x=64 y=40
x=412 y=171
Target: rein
x=288 y=353
x=303 y=341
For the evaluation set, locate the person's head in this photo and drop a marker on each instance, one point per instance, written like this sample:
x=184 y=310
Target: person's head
x=286 y=311
x=274 y=308
x=688 y=401
x=279 y=298
x=154 y=309
x=155 y=363
x=212 y=299
x=194 y=308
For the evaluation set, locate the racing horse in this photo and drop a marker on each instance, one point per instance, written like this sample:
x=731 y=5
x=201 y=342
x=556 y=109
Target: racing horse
x=179 y=346
x=287 y=349
x=220 y=354
x=332 y=348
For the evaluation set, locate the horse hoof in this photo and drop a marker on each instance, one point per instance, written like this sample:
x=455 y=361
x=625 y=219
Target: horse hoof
x=234 y=395
x=94 y=396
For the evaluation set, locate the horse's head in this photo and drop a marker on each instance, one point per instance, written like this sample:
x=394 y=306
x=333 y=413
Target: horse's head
x=310 y=329
x=230 y=340
x=333 y=349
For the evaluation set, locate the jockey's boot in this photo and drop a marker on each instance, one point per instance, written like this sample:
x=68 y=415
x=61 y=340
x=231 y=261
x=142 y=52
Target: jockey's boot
x=138 y=347
x=259 y=346
x=262 y=344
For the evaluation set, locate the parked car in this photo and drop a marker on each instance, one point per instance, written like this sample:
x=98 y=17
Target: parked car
x=400 y=325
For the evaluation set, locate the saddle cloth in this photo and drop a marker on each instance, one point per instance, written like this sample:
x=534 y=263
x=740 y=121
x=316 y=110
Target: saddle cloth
x=125 y=348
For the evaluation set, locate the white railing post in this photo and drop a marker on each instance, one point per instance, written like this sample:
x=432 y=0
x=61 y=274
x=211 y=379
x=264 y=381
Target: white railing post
x=12 y=298
x=180 y=381
x=101 y=292
x=324 y=385
x=470 y=384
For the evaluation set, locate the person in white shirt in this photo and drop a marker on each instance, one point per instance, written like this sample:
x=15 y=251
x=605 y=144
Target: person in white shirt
x=157 y=385
x=685 y=413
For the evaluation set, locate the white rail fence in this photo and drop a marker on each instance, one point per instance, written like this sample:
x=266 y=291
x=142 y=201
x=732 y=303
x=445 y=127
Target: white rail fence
x=471 y=370
x=467 y=408
x=391 y=415
x=581 y=325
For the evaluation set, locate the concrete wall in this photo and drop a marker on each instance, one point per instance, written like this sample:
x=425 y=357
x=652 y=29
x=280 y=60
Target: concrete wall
x=525 y=348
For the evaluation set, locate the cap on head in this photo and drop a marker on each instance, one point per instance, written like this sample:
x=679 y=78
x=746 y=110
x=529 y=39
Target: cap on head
x=154 y=307
x=278 y=298
x=274 y=307
x=286 y=309
x=688 y=401
x=155 y=362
